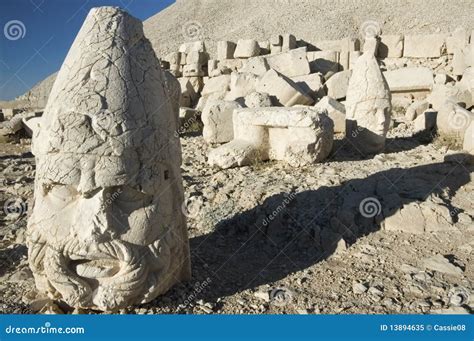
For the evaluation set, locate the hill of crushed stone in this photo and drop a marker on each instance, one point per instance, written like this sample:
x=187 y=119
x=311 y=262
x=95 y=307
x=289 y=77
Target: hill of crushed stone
x=310 y=20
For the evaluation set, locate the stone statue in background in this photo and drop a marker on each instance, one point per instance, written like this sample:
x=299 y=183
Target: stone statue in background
x=107 y=229
x=368 y=102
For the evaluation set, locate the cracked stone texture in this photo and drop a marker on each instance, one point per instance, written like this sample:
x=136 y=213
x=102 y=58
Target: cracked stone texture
x=298 y=136
x=107 y=229
x=368 y=102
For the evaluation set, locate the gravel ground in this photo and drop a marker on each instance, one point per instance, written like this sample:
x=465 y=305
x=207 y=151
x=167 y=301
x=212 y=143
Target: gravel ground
x=267 y=238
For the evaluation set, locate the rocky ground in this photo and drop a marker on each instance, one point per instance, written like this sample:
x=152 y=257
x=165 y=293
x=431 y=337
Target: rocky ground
x=269 y=238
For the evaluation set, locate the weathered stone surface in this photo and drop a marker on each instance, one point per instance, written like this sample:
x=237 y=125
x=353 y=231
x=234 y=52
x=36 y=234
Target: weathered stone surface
x=225 y=50
x=468 y=140
x=336 y=86
x=107 y=147
x=323 y=61
x=289 y=42
x=195 y=57
x=416 y=109
x=453 y=120
x=290 y=64
x=217 y=120
x=282 y=89
x=258 y=100
x=299 y=136
x=311 y=85
x=216 y=84
x=391 y=46
x=241 y=84
x=197 y=46
x=410 y=79
x=457 y=40
x=256 y=65
x=193 y=70
x=246 y=48
x=368 y=104
x=336 y=112
x=188 y=92
x=447 y=92
x=424 y=46
x=426 y=121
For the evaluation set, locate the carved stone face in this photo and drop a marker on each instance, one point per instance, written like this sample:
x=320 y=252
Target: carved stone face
x=102 y=246
x=107 y=229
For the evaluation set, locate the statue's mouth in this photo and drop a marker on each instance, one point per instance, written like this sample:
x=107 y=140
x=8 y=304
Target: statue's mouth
x=95 y=269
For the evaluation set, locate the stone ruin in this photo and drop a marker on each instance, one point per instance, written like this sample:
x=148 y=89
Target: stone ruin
x=330 y=75
x=106 y=230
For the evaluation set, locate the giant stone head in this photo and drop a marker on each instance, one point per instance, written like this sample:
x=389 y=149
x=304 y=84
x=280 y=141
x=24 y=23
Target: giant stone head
x=107 y=229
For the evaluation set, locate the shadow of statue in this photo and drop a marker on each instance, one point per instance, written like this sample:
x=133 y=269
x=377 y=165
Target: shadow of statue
x=290 y=232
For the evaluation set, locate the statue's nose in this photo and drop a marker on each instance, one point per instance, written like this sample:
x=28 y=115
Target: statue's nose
x=94 y=217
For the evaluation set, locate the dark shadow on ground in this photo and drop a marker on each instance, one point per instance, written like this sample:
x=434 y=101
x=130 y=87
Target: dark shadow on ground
x=290 y=232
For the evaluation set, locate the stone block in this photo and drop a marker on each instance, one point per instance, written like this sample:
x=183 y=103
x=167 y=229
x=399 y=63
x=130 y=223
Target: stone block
x=458 y=39
x=425 y=122
x=197 y=46
x=225 y=50
x=241 y=84
x=264 y=47
x=416 y=108
x=276 y=40
x=217 y=120
x=256 y=65
x=390 y=46
x=246 y=48
x=336 y=112
x=336 y=86
x=298 y=136
x=311 y=85
x=290 y=64
x=216 y=84
x=424 y=46
x=288 y=43
x=282 y=89
x=195 y=57
x=410 y=79
x=323 y=61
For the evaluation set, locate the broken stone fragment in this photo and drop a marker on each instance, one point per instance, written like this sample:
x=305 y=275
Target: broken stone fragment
x=282 y=89
x=336 y=112
x=337 y=84
x=258 y=100
x=290 y=64
x=107 y=230
x=246 y=48
x=217 y=120
x=225 y=50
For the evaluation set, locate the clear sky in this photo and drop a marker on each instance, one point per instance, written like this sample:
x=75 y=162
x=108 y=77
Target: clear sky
x=35 y=36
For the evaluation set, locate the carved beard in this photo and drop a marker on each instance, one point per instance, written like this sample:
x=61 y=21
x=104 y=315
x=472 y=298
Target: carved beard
x=127 y=274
